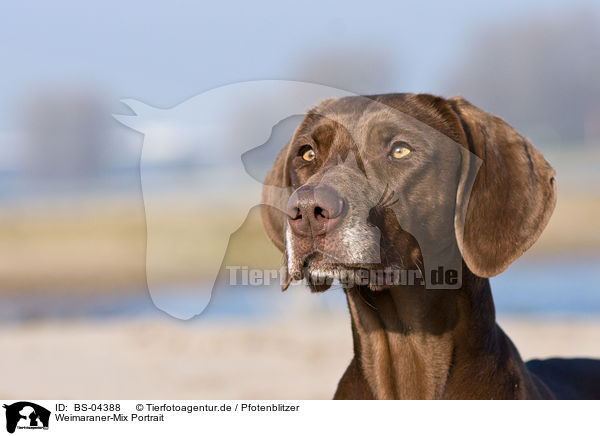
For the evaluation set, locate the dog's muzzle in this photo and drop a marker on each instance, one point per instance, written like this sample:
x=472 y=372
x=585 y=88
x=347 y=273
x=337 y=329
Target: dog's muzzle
x=315 y=210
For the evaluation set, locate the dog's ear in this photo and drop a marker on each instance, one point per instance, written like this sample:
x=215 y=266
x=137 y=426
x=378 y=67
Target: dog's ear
x=512 y=196
x=275 y=194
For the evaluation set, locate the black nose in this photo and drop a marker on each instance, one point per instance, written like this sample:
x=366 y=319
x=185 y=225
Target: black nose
x=314 y=210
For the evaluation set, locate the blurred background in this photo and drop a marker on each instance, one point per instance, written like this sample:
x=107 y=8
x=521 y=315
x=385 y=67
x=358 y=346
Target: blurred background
x=73 y=292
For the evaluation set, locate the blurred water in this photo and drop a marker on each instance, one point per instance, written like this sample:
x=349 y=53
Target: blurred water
x=548 y=288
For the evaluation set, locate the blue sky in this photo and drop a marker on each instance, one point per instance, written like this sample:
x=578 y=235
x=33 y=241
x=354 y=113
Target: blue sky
x=164 y=53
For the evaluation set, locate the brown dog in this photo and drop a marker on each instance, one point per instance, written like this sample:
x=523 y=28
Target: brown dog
x=427 y=188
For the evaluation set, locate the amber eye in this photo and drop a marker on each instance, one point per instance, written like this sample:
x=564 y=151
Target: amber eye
x=307 y=153
x=400 y=149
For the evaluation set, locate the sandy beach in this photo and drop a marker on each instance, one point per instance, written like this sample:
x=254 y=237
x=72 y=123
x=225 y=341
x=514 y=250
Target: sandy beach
x=293 y=358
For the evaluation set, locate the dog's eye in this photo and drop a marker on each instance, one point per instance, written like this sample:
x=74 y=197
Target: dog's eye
x=307 y=153
x=400 y=149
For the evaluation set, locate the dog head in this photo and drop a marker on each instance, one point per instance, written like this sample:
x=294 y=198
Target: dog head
x=404 y=183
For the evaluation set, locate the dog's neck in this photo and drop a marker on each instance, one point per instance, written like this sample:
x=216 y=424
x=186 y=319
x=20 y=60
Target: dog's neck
x=413 y=343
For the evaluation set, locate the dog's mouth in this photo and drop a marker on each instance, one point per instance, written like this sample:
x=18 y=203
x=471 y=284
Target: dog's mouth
x=373 y=256
x=321 y=269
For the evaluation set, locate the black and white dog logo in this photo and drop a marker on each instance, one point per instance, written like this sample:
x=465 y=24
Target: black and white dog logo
x=26 y=415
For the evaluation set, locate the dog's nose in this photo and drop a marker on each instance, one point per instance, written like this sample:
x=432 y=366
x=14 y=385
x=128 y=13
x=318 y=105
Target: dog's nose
x=314 y=210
